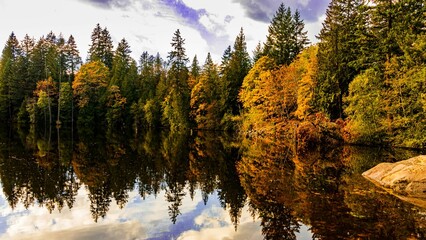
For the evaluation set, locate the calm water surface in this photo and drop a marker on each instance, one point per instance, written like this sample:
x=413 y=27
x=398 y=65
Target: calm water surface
x=163 y=185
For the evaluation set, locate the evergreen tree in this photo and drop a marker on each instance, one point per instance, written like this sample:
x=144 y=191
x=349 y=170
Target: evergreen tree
x=72 y=58
x=336 y=55
x=101 y=48
x=194 y=72
x=286 y=36
x=204 y=97
x=176 y=101
x=257 y=52
x=124 y=71
x=10 y=89
x=300 y=37
x=121 y=63
x=29 y=83
x=233 y=74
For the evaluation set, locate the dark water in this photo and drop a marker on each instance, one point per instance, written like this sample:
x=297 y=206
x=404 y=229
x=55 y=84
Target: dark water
x=199 y=185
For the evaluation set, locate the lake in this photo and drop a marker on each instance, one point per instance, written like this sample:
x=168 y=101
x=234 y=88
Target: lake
x=193 y=185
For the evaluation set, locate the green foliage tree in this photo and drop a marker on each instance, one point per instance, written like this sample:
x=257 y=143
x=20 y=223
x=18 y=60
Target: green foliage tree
x=124 y=71
x=66 y=102
x=194 y=73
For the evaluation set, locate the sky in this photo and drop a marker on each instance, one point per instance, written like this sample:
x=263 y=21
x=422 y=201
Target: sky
x=148 y=25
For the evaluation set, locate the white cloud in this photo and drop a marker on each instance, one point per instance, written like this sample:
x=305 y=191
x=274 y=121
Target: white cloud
x=216 y=224
x=147 y=25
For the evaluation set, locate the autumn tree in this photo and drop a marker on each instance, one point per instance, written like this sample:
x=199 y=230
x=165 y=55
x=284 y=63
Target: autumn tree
x=89 y=86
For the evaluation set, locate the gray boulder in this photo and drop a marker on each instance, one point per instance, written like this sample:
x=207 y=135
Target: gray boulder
x=405 y=179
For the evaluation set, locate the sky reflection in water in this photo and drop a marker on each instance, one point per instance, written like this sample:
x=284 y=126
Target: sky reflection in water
x=139 y=219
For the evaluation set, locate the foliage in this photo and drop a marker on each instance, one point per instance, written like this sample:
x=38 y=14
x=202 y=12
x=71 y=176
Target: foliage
x=205 y=99
x=115 y=106
x=101 y=48
x=286 y=36
x=336 y=54
x=272 y=97
x=175 y=103
x=66 y=102
x=88 y=88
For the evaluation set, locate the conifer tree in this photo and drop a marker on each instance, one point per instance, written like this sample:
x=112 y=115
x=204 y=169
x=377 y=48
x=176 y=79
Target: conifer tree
x=101 y=48
x=286 y=36
x=336 y=55
x=205 y=98
x=72 y=56
x=234 y=70
x=257 y=52
x=176 y=101
x=194 y=73
x=9 y=90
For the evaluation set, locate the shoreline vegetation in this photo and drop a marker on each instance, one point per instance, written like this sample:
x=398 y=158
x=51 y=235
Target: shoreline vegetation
x=364 y=82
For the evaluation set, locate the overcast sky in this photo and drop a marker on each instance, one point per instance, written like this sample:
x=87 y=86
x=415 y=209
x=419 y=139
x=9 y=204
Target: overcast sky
x=148 y=25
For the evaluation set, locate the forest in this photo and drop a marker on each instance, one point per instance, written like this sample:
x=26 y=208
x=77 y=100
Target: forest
x=363 y=82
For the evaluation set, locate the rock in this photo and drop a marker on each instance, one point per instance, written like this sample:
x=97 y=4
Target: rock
x=406 y=179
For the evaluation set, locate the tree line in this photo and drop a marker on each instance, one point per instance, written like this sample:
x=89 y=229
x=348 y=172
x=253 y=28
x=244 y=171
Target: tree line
x=362 y=82
x=46 y=81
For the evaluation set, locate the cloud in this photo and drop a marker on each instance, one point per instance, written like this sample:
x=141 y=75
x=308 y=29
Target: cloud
x=109 y=3
x=263 y=11
x=207 y=24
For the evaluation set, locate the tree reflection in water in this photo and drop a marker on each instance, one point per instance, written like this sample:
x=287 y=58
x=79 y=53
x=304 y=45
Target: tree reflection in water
x=322 y=189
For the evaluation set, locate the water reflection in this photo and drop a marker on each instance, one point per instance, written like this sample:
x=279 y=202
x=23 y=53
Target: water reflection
x=325 y=190
x=320 y=195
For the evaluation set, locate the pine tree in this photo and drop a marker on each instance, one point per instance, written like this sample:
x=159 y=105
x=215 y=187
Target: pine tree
x=27 y=46
x=121 y=63
x=300 y=37
x=176 y=101
x=124 y=71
